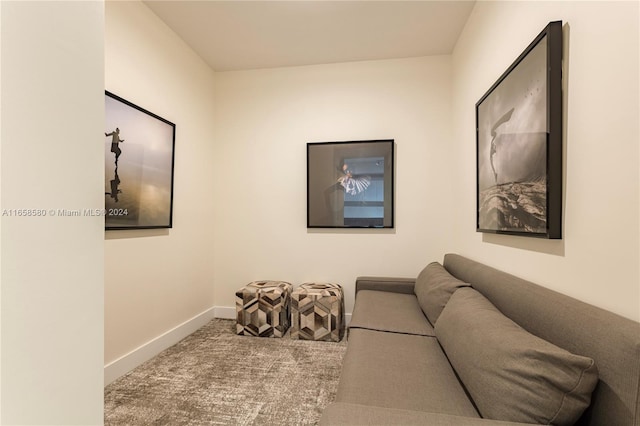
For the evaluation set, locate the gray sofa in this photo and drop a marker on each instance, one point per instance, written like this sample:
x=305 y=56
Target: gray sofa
x=466 y=344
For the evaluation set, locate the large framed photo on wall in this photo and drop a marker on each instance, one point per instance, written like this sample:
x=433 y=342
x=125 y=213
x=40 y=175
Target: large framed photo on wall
x=350 y=184
x=139 y=156
x=519 y=144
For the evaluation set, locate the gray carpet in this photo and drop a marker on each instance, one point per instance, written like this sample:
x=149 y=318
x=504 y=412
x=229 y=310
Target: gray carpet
x=215 y=377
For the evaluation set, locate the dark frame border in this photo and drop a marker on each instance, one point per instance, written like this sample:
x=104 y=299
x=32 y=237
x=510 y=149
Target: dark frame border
x=554 y=142
x=169 y=223
x=389 y=163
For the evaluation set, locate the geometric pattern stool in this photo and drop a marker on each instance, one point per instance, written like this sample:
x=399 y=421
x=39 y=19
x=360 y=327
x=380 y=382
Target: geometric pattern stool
x=263 y=308
x=317 y=312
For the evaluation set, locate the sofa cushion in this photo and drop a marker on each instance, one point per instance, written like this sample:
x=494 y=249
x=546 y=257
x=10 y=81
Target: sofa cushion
x=511 y=374
x=343 y=413
x=434 y=286
x=393 y=312
x=400 y=371
x=612 y=341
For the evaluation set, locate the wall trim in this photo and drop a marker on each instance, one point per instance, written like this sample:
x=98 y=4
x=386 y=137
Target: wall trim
x=128 y=362
x=226 y=312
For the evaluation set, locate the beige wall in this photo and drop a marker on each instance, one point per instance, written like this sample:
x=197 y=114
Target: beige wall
x=156 y=280
x=264 y=118
x=52 y=277
x=598 y=259
x=240 y=194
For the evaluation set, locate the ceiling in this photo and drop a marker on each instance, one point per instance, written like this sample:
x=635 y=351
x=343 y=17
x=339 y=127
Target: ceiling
x=237 y=35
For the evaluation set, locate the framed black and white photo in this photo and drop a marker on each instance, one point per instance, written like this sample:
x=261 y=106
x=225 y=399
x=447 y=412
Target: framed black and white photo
x=350 y=184
x=139 y=156
x=519 y=144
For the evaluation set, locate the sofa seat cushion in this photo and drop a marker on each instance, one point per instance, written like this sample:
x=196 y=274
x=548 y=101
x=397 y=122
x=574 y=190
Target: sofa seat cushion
x=509 y=373
x=392 y=312
x=342 y=413
x=400 y=371
x=434 y=286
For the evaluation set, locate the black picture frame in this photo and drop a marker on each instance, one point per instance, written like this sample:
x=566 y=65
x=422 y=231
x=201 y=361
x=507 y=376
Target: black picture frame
x=350 y=184
x=139 y=162
x=519 y=144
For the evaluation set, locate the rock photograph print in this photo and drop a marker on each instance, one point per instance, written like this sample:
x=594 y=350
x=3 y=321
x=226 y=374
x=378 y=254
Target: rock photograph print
x=139 y=152
x=350 y=184
x=512 y=149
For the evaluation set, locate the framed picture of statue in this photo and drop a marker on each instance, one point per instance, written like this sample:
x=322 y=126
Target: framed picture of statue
x=139 y=157
x=350 y=184
x=519 y=144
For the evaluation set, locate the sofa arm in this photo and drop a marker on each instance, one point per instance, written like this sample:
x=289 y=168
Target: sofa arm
x=395 y=285
x=342 y=413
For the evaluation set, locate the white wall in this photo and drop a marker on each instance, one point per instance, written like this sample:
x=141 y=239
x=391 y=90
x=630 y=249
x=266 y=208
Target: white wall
x=52 y=277
x=156 y=280
x=264 y=118
x=598 y=259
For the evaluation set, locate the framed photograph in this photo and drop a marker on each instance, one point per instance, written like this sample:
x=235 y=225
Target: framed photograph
x=350 y=184
x=139 y=154
x=519 y=144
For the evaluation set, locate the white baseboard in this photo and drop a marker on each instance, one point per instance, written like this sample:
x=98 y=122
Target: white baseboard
x=230 y=313
x=224 y=312
x=128 y=362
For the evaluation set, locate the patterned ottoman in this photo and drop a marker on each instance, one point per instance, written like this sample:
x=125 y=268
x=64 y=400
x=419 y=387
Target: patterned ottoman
x=317 y=312
x=263 y=308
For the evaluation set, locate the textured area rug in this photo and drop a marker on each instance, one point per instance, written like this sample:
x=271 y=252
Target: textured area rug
x=215 y=377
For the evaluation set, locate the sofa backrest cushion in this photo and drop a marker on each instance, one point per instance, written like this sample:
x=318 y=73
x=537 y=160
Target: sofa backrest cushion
x=434 y=286
x=509 y=373
x=612 y=341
